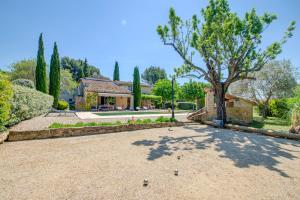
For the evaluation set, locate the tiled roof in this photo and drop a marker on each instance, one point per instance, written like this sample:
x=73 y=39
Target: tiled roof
x=103 y=86
x=128 y=83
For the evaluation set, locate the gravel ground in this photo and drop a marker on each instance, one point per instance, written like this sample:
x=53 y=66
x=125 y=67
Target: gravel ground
x=214 y=164
x=41 y=122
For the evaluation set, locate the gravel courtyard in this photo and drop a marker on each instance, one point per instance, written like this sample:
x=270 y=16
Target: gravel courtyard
x=214 y=164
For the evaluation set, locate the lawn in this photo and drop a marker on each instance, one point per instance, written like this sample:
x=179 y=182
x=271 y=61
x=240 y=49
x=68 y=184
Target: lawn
x=272 y=123
x=134 y=113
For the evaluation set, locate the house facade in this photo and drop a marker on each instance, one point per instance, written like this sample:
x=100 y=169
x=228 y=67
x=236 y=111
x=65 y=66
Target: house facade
x=105 y=94
x=238 y=109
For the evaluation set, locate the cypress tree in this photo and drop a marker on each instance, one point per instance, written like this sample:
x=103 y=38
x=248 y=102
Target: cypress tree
x=80 y=74
x=40 y=71
x=85 y=68
x=54 y=85
x=116 y=72
x=136 y=88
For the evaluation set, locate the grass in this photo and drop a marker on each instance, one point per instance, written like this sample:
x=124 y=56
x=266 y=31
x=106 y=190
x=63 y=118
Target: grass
x=273 y=123
x=160 y=119
x=134 y=113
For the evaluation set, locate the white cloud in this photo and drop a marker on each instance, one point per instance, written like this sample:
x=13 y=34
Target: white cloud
x=124 y=22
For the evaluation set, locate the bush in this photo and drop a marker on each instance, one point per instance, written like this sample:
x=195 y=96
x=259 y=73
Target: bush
x=186 y=106
x=28 y=103
x=295 y=117
x=169 y=105
x=62 y=105
x=162 y=119
x=24 y=82
x=279 y=108
x=5 y=98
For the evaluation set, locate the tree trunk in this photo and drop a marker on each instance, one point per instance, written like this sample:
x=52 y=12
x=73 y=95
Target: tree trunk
x=220 y=103
x=264 y=111
x=198 y=103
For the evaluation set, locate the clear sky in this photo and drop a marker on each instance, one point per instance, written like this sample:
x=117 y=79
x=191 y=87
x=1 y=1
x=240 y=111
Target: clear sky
x=104 y=31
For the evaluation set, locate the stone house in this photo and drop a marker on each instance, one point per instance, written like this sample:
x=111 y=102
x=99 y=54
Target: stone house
x=238 y=109
x=105 y=94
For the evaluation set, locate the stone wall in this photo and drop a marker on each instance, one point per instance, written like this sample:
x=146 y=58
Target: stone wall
x=68 y=132
x=122 y=102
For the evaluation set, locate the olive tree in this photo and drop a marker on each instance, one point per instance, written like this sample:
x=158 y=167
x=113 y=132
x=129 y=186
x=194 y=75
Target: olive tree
x=229 y=45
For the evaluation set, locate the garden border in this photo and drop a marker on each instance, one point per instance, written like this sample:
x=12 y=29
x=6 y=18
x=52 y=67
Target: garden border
x=277 y=134
x=82 y=131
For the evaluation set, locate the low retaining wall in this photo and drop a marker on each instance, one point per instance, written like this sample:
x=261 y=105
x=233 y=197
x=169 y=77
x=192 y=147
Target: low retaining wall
x=81 y=131
x=279 y=134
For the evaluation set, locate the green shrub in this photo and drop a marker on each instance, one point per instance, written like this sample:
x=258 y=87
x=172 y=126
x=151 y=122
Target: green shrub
x=24 y=82
x=62 y=105
x=6 y=94
x=162 y=119
x=186 y=106
x=147 y=121
x=279 y=108
x=295 y=117
x=28 y=103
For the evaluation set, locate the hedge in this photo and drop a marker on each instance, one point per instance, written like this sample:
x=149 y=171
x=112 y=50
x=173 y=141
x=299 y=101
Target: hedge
x=28 y=103
x=151 y=97
x=282 y=107
x=5 y=97
x=24 y=82
x=186 y=105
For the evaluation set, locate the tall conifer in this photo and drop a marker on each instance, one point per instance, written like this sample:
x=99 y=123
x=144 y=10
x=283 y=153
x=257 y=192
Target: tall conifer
x=40 y=72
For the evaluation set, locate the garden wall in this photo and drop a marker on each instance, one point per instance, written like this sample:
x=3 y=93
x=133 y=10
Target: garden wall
x=93 y=130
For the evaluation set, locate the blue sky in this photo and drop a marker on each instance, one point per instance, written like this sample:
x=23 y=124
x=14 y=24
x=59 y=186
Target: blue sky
x=106 y=31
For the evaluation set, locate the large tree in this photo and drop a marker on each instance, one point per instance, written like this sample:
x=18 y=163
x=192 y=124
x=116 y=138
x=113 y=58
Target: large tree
x=116 y=72
x=163 y=88
x=229 y=45
x=40 y=71
x=54 y=83
x=67 y=84
x=136 y=88
x=152 y=74
x=275 y=80
x=23 y=69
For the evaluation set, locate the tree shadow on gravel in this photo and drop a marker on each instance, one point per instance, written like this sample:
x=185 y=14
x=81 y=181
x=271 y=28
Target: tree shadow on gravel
x=243 y=149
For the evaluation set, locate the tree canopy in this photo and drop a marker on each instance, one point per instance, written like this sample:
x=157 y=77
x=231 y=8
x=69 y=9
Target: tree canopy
x=76 y=67
x=152 y=74
x=192 y=91
x=275 y=80
x=229 y=45
x=23 y=69
x=163 y=88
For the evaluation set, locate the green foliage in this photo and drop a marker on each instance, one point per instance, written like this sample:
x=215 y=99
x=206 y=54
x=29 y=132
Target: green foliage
x=23 y=69
x=76 y=67
x=67 y=84
x=230 y=45
x=24 y=82
x=163 y=88
x=54 y=86
x=192 y=91
x=117 y=123
x=186 y=106
x=91 y=99
x=28 y=103
x=136 y=88
x=6 y=94
x=86 y=72
x=279 y=108
x=62 y=105
x=152 y=74
x=116 y=72
x=295 y=117
x=40 y=71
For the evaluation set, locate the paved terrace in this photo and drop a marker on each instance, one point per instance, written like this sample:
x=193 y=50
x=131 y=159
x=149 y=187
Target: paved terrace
x=214 y=164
